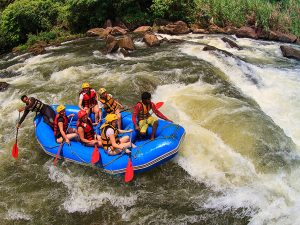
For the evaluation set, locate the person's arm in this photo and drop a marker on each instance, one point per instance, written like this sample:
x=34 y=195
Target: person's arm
x=115 y=145
x=134 y=115
x=21 y=109
x=125 y=131
x=23 y=117
x=61 y=129
x=80 y=101
x=158 y=113
x=81 y=136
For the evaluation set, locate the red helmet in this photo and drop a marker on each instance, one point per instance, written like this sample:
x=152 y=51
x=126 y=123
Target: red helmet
x=81 y=113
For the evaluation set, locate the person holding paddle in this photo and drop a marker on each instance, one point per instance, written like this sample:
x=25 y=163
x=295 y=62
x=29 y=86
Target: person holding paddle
x=88 y=100
x=61 y=131
x=86 y=131
x=112 y=144
x=35 y=105
x=110 y=105
x=142 y=112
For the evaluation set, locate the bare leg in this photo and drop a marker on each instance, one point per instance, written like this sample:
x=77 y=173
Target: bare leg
x=155 y=125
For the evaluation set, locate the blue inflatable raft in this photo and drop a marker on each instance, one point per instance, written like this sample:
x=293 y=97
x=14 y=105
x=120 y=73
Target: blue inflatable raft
x=148 y=154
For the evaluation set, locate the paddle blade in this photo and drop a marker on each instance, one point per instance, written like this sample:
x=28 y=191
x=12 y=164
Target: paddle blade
x=57 y=154
x=159 y=104
x=15 y=151
x=95 y=155
x=129 y=173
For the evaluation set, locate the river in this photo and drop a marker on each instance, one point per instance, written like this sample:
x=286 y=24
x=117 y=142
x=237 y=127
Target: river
x=239 y=162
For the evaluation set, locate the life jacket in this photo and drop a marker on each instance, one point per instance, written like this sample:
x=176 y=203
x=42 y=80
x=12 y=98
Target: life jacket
x=87 y=129
x=36 y=106
x=106 y=142
x=56 y=127
x=89 y=100
x=144 y=113
x=110 y=105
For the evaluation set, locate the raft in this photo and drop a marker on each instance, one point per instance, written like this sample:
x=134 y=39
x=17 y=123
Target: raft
x=147 y=155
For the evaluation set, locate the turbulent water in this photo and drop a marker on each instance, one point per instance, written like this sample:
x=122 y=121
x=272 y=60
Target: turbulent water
x=239 y=162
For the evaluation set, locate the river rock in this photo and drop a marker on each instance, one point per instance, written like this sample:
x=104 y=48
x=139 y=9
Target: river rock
x=3 y=86
x=151 y=39
x=111 y=44
x=212 y=48
x=176 y=28
x=118 y=31
x=246 y=32
x=142 y=29
x=231 y=43
x=279 y=36
x=126 y=43
x=289 y=52
x=102 y=33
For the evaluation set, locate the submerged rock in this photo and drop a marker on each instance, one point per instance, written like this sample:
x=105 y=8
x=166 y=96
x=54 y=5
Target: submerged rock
x=3 y=86
x=231 y=43
x=290 y=52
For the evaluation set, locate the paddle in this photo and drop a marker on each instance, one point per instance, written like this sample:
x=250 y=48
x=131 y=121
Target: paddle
x=95 y=155
x=129 y=172
x=60 y=146
x=15 y=149
x=158 y=105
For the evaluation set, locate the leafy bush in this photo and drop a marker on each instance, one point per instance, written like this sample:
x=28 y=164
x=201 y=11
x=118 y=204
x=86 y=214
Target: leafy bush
x=173 y=9
x=28 y=16
x=84 y=14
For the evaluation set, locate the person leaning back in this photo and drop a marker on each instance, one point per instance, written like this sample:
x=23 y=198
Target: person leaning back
x=35 y=105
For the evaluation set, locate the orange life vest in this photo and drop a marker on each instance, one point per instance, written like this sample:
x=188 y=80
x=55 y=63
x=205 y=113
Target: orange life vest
x=110 y=105
x=144 y=113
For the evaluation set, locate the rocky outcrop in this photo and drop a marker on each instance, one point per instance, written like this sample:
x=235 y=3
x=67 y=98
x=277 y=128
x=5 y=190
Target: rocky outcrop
x=101 y=32
x=279 y=36
x=212 y=48
x=151 y=39
x=142 y=29
x=111 y=44
x=246 y=32
x=290 y=52
x=126 y=43
x=231 y=43
x=176 y=28
x=3 y=86
x=118 y=31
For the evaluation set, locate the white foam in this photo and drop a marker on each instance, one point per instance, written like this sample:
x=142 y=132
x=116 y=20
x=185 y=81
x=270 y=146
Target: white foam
x=84 y=196
x=17 y=214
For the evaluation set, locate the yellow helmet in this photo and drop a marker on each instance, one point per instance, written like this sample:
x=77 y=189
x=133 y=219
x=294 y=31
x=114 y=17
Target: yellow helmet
x=101 y=91
x=111 y=117
x=85 y=85
x=60 y=108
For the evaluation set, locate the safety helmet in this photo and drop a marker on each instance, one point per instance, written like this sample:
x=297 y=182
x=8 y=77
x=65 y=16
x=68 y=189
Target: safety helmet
x=81 y=113
x=60 y=108
x=101 y=91
x=85 y=85
x=111 y=117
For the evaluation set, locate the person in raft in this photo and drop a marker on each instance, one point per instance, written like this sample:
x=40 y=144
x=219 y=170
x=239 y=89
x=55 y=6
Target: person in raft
x=88 y=100
x=35 y=105
x=110 y=105
x=86 y=131
x=61 y=125
x=142 y=112
x=111 y=143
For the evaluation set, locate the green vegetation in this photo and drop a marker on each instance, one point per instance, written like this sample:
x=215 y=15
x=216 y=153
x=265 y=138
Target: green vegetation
x=30 y=21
